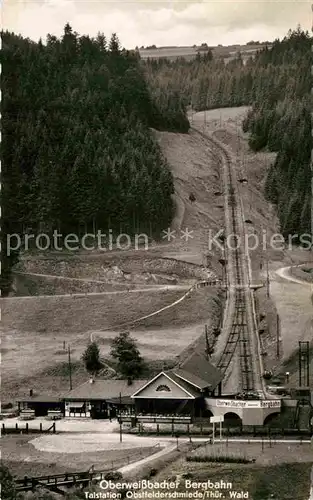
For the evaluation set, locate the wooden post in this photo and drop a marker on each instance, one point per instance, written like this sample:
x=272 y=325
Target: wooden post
x=26 y=427
x=40 y=426
x=158 y=429
x=172 y=427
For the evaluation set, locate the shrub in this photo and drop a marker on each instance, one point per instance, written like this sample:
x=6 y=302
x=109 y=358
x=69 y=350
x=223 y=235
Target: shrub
x=113 y=476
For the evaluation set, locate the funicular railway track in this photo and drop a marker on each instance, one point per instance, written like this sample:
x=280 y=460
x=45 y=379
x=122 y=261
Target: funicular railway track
x=239 y=326
x=239 y=332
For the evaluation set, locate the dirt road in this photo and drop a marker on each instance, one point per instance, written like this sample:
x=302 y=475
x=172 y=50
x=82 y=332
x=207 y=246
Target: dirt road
x=284 y=272
x=293 y=300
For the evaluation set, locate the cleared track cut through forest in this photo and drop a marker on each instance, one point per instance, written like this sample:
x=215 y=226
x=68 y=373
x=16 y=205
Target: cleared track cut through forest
x=239 y=332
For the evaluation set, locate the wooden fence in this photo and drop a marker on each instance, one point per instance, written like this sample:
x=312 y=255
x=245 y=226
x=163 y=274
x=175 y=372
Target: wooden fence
x=27 y=429
x=54 y=482
x=205 y=430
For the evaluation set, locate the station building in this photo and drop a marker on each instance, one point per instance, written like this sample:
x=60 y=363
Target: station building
x=190 y=391
x=180 y=391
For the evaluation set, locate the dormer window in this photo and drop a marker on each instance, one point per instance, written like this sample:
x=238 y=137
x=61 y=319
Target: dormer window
x=163 y=388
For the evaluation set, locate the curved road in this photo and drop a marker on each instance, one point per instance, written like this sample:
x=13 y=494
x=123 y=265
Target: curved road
x=284 y=272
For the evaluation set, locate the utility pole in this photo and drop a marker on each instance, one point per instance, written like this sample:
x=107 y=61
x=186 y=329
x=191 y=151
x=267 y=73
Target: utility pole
x=308 y=365
x=207 y=346
x=238 y=151
x=300 y=365
x=312 y=155
x=121 y=427
x=304 y=364
x=277 y=335
x=70 y=366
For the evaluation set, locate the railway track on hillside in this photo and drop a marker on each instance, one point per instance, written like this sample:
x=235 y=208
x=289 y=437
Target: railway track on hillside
x=239 y=329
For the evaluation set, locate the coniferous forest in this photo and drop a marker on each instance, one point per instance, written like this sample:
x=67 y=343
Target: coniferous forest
x=77 y=151
x=78 y=155
x=277 y=85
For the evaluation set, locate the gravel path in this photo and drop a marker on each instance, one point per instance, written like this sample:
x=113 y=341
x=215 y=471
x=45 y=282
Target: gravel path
x=144 y=461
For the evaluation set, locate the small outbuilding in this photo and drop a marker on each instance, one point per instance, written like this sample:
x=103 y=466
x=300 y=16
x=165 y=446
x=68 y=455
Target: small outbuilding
x=41 y=404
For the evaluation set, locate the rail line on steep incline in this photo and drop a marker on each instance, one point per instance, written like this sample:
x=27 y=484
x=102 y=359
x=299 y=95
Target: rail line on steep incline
x=239 y=329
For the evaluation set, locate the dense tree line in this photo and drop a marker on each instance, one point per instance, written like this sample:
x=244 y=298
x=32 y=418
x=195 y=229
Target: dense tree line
x=77 y=152
x=280 y=120
x=276 y=84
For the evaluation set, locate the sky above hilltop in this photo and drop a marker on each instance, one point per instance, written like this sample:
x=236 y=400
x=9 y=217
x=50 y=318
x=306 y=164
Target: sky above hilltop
x=161 y=23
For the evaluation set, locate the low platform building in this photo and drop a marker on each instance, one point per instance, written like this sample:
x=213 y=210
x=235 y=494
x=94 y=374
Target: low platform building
x=99 y=398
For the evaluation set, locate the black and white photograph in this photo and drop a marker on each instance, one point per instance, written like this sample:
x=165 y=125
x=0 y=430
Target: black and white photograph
x=156 y=309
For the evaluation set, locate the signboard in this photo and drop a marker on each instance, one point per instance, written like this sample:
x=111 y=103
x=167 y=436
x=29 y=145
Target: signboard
x=163 y=420
x=237 y=403
x=216 y=420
